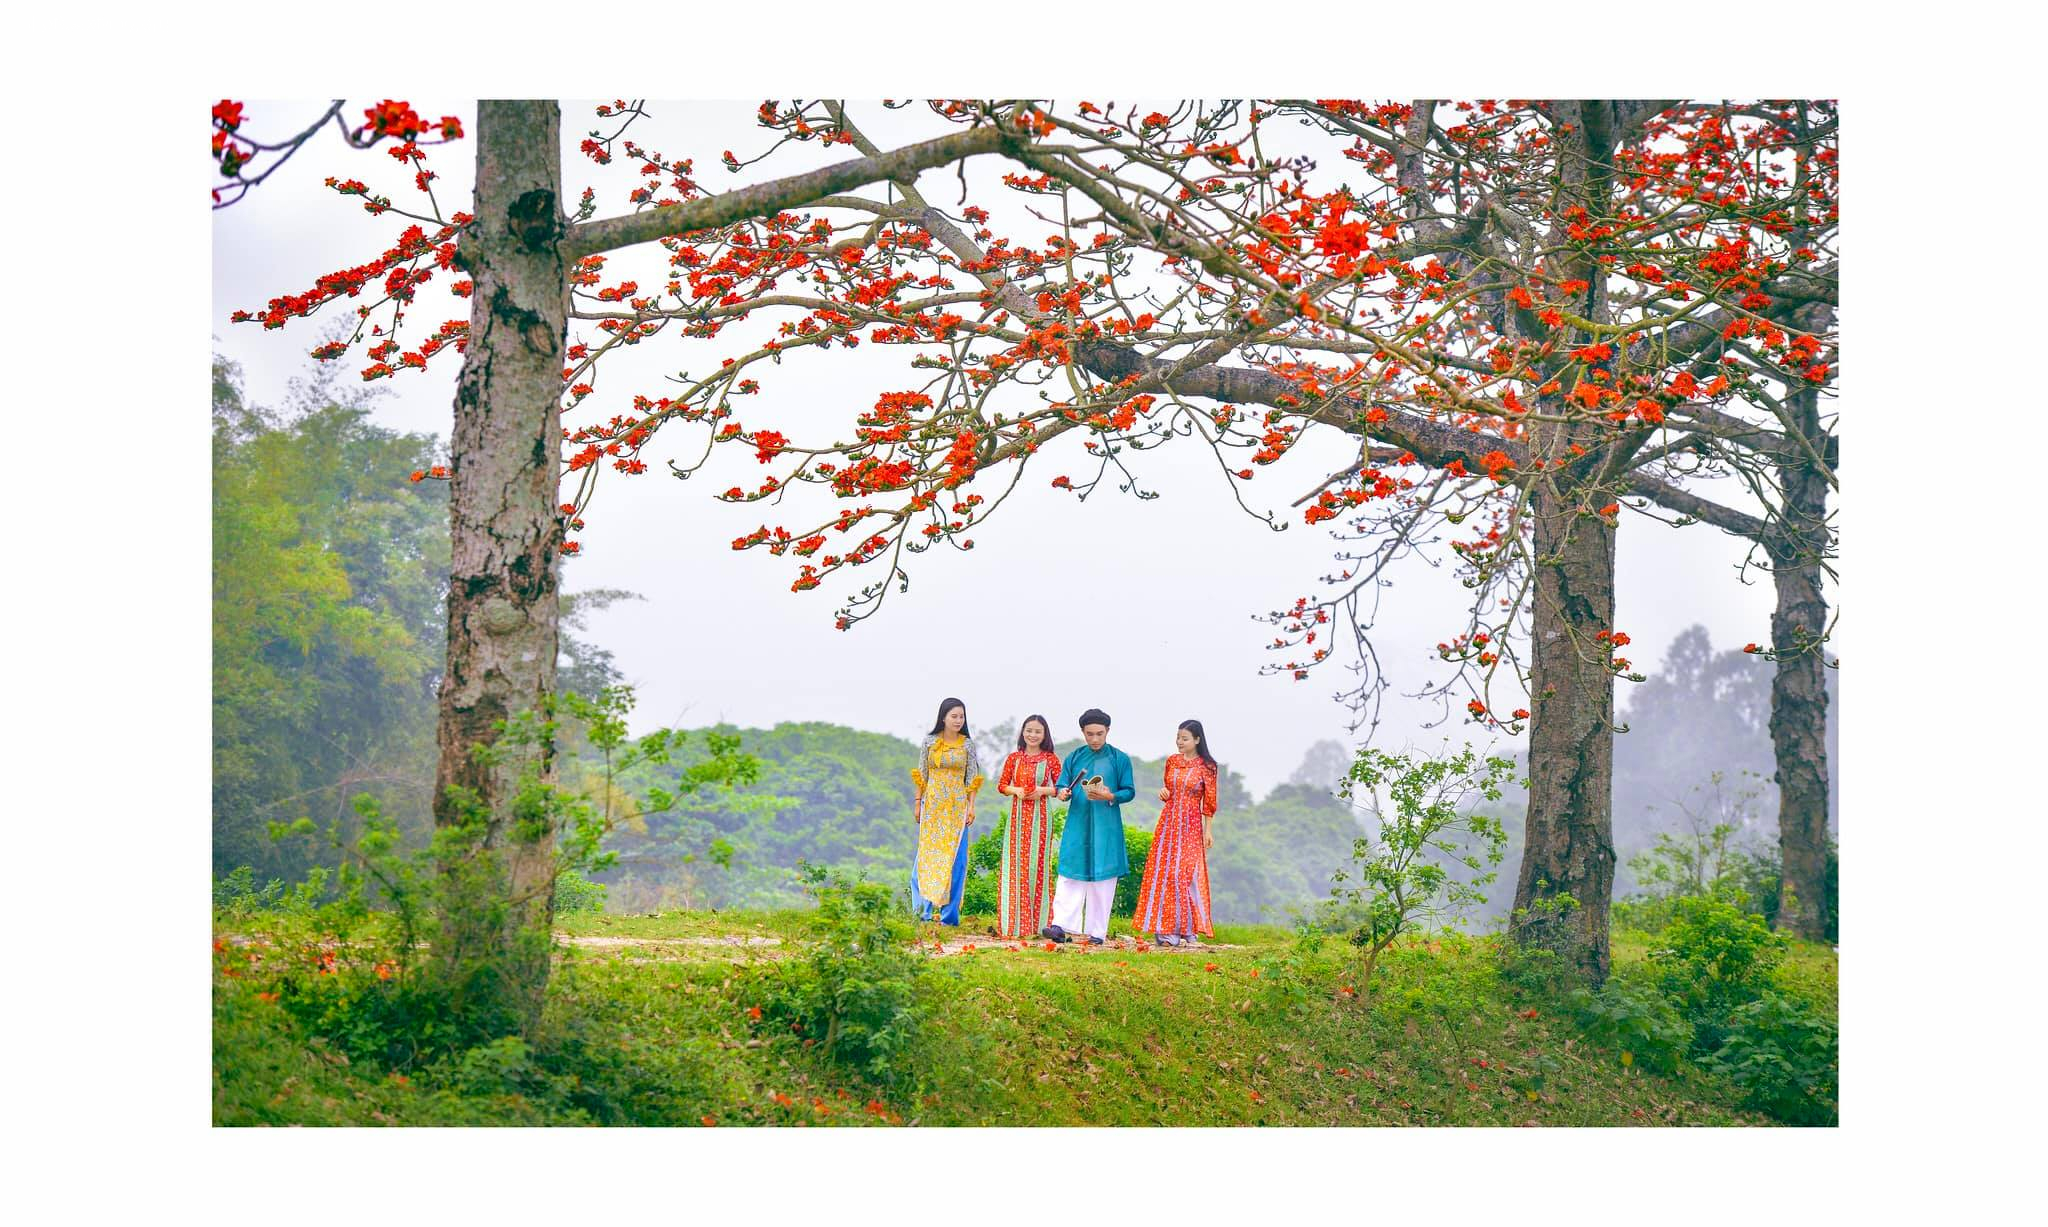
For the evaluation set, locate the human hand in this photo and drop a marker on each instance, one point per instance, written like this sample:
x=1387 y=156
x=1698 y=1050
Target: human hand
x=1164 y=795
x=1065 y=793
x=1097 y=792
x=1208 y=841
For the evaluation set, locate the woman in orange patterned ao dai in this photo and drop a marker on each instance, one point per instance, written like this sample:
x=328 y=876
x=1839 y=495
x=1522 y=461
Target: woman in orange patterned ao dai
x=1173 y=898
x=1030 y=776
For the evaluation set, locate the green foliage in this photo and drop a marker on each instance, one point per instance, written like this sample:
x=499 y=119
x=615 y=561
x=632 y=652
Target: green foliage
x=1291 y=976
x=1635 y=1021
x=1784 y=1056
x=1399 y=877
x=575 y=893
x=392 y=900
x=854 y=990
x=236 y=895
x=1758 y=873
x=329 y=566
x=1713 y=957
x=1137 y=849
x=1536 y=972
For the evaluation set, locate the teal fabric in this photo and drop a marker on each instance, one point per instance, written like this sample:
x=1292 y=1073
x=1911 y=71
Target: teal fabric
x=1092 y=846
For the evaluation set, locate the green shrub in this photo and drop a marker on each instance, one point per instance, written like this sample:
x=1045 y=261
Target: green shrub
x=236 y=894
x=981 y=896
x=1405 y=872
x=854 y=991
x=575 y=893
x=1634 y=1020
x=1137 y=848
x=1759 y=874
x=1295 y=975
x=1712 y=958
x=1784 y=1056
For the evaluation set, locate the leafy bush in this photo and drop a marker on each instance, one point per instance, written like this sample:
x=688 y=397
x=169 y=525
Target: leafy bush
x=1635 y=1020
x=1759 y=873
x=1401 y=873
x=854 y=990
x=236 y=894
x=1714 y=957
x=1295 y=975
x=1535 y=972
x=1784 y=1056
x=575 y=893
x=1137 y=849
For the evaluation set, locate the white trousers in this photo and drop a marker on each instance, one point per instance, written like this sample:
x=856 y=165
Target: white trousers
x=1071 y=896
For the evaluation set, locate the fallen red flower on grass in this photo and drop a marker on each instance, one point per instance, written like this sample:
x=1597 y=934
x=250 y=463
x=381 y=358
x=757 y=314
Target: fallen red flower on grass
x=708 y=1120
x=1209 y=967
x=754 y=1012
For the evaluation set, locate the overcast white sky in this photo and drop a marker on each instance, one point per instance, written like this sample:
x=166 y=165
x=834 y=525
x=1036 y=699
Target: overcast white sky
x=1141 y=608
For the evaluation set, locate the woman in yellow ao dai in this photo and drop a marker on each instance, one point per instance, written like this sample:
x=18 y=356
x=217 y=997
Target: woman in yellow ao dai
x=947 y=777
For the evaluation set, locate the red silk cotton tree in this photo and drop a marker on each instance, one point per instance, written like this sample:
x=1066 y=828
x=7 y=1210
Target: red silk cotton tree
x=1523 y=318
x=1464 y=315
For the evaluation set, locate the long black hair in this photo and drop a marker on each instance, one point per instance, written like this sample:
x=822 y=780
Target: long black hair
x=1201 y=741
x=1045 y=745
x=946 y=705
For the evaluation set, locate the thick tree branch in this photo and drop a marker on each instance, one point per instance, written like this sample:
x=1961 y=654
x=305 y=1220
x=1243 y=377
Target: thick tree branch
x=1706 y=511
x=767 y=199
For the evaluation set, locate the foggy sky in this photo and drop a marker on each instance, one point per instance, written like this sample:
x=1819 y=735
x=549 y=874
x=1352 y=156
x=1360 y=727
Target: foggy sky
x=1140 y=607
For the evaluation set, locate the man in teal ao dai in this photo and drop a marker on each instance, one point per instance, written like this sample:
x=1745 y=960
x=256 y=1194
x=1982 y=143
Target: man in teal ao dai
x=1092 y=848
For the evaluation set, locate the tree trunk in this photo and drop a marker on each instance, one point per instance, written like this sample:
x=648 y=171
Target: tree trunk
x=1799 y=695
x=1568 y=841
x=503 y=607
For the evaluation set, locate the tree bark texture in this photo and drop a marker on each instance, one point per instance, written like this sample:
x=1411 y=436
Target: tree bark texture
x=1568 y=843
x=503 y=599
x=1799 y=695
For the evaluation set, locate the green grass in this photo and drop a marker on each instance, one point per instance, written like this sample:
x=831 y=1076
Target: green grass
x=660 y=1034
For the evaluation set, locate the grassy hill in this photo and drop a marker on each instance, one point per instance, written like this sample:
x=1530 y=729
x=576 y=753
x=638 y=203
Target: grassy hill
x=650 y=1022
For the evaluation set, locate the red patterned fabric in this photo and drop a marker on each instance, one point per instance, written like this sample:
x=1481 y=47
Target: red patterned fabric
x=1025 y=894
x=1174 y=894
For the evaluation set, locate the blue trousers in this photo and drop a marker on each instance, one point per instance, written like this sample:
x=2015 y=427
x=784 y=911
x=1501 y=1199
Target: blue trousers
x=921 y=907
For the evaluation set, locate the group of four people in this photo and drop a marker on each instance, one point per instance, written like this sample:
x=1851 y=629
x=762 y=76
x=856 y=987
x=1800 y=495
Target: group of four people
x=1073 y=900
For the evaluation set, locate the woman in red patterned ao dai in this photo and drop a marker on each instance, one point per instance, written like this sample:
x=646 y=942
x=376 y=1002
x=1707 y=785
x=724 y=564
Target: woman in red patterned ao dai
x=1030 y=776
x=1173 y=898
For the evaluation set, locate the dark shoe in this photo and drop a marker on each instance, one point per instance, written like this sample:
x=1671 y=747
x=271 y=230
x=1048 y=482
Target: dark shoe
x=1094 y=940
x=1055 y=933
